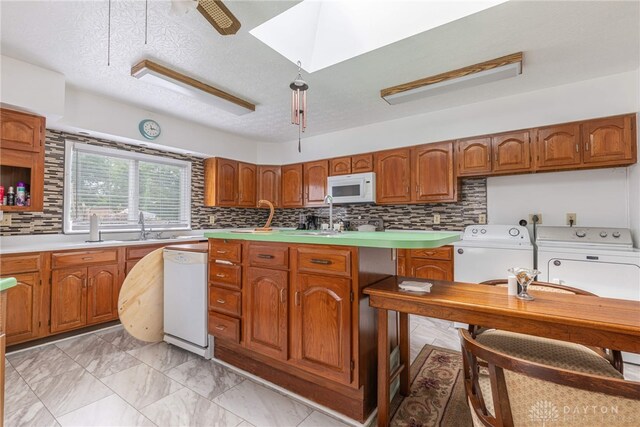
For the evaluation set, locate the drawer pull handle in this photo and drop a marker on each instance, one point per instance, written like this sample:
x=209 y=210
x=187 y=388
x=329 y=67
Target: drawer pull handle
x=221 y=275
x=221 y=252
x=321 y=261
x=87 y=258
x=220 y=301
x=221 y=328
x=265 y=256
x=282 y=295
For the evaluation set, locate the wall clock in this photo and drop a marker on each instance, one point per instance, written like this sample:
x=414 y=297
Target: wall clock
x=150 y=129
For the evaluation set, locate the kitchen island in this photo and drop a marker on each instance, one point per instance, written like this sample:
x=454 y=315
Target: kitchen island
x=288 y=306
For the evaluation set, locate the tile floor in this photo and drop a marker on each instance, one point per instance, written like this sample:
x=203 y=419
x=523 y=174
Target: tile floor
x=108 y=378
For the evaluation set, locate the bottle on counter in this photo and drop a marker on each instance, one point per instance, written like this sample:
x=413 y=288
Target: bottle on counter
x=28 y=199
x=11 y=197
x=2 y=195
x=21 y=196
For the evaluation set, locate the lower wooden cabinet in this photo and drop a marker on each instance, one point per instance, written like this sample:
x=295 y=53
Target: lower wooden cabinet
x=266 y=316
x=321 y=326
x=23 y=308
x=102 y=293
x=68 y=299
x=431 y=269
x=434 y=264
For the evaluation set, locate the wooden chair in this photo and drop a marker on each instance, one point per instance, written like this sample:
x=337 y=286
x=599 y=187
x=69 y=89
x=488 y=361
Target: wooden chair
x=518 y=391
x=614 y=357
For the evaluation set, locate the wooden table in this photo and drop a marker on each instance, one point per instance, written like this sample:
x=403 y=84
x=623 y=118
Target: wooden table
x=602 y=322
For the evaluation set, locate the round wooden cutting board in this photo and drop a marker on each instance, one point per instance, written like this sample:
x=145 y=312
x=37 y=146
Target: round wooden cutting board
x=140 y=305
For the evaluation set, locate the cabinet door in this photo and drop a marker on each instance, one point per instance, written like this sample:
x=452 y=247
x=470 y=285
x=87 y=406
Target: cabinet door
x=340 y=166
x=393 y=176
x=21 y=131
x=68 y=299
x=227 y=182
x=247 y=185
x=609 y=140
x=266 y=315
x=315 y=182
x=269 y=184
x=474 y=157
x=321 y=326
x=292 y=186
x=102 y=294
x=431 y=269
x=511 y=152
x=432 y=173
x=362 y=163
x=558 y=147
x=23 y=308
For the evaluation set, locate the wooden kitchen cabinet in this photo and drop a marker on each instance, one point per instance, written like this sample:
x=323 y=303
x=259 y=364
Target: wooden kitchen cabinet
x=315 y=182
x=362 y=163
x=558 y=147
x=267 y=311
x=292 y=186
x=225 y=290
x=23 y=308
x=393 y=176
x=22 y=156
x=609 y=141
x=511 y=152
x=434 y=264
x=229 y=183
x=321 y=326
x=68 y=299
x=247 y=176
x=474 y=157
x=102 y=293
x=340 y=166
x=432 y=173
x=226 y=182
x=269 y=184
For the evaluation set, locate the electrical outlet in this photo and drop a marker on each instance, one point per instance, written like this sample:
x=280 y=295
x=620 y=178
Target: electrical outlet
x=5 y=219
x=212 y=219
x=571 y=219
x=436 y=218
x=482 y=219
x=539 y=218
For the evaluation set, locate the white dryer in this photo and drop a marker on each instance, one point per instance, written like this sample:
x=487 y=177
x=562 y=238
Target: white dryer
x=486 y=252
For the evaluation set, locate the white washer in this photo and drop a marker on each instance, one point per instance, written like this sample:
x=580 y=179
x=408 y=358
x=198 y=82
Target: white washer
x=486 y=252
x=599 y=260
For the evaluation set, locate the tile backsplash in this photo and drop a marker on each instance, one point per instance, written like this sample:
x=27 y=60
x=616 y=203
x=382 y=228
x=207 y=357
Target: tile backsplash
x=453 y=216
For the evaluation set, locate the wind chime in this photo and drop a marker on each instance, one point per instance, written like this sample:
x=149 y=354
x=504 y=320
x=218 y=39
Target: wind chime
x=299 y=104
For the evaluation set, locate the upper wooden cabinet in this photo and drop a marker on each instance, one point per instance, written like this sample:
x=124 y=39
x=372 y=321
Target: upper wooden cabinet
x=511 y=152
x=269 y=184
x=558 y=146
x=22 y=156
x=432 y=173
x=474 y=156
x=315 y=182
x=609 y=141
x=292 y=186
x=340 y=166
x=247 y=176
x=362 y=163
x=21 y=131
x=393 y=176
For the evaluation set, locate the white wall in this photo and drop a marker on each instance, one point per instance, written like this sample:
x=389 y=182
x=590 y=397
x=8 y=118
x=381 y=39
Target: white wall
x=634 y=197
x=615 y=94
x=31 y=88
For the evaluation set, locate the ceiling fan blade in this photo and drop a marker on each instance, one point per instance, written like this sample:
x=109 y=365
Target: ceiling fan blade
x=219 y=16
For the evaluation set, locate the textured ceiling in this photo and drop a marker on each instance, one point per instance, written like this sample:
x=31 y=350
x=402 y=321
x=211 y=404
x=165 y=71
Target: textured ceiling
x=563 y=41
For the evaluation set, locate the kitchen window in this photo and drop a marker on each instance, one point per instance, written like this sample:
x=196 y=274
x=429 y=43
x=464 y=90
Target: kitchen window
x=117 y=185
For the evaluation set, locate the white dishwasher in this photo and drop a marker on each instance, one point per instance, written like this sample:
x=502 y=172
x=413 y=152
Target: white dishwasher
x=185 y=298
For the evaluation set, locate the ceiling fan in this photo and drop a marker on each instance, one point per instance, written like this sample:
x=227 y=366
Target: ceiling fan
x=214 y=11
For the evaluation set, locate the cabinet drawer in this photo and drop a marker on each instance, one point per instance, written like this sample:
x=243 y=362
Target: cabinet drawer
x=445 y=252
x=330 y=261
x=65 y=259
x=225 y=250
x=269 y=256
x=225 y=275
x=137 y=252
x=224 y=327
x=19 y=263
x=225 y=301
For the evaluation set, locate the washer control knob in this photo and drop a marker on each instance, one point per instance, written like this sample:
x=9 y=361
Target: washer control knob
x=603 y=234
x=581 y=233
x=474 y=231
x=460 y=251
x=483 y=231
x=514 y=232
x=556 y=263
x=616 y=234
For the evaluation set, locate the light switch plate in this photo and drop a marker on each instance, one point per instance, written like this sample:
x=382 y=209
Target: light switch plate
x=5 y=219
x=212 y=219
x=436 y=218
x=572 y=219
x=482 y=219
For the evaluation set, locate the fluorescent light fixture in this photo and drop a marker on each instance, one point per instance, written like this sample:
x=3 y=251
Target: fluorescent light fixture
x=165 y=77
x=324 y=33
x=473 y=75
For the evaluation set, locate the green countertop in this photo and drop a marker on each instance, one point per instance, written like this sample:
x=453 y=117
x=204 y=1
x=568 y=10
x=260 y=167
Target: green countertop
x=7 y=282
x=385 y=239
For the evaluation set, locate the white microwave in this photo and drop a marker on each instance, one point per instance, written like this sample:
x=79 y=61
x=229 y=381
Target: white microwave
x=356 y=188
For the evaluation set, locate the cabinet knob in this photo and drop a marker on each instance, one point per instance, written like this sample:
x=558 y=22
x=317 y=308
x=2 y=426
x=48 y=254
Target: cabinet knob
x=220 y=301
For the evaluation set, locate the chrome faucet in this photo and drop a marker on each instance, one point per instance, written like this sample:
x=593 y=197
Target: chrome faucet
x=329 y=199
x=143 y=234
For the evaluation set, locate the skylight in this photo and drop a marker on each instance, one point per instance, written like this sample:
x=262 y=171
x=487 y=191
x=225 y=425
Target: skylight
x=324 y=33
